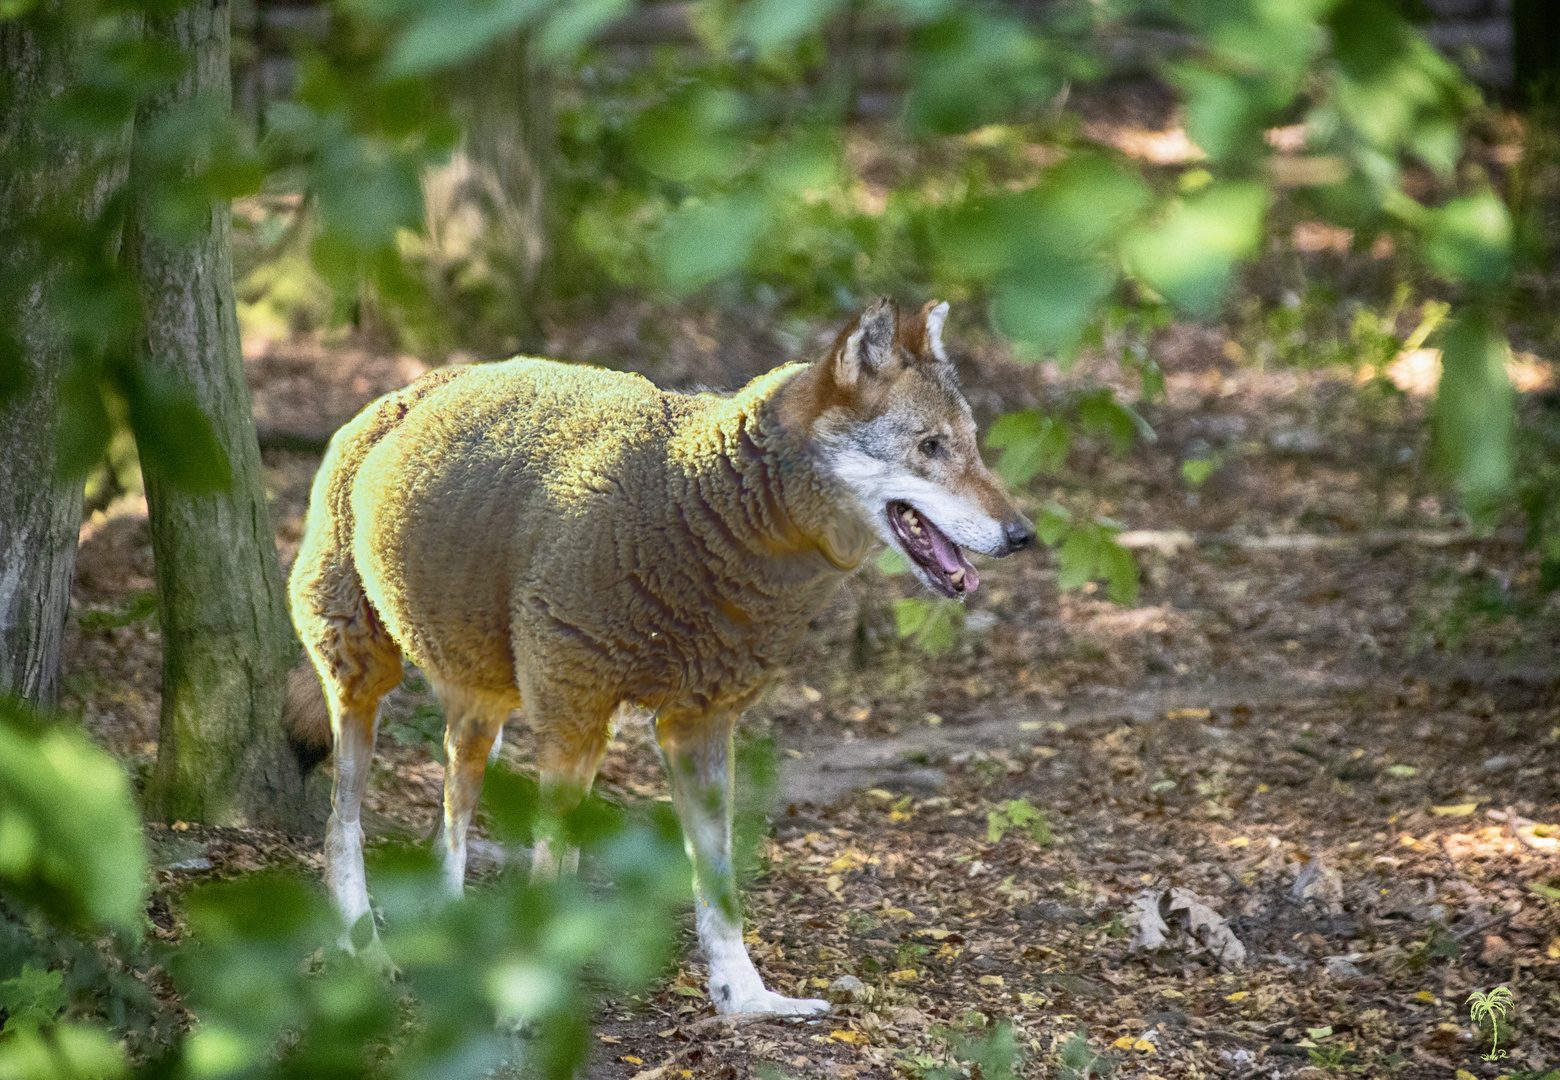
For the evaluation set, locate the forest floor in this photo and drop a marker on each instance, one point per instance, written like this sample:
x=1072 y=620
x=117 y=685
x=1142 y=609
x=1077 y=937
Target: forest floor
x=1326 y=738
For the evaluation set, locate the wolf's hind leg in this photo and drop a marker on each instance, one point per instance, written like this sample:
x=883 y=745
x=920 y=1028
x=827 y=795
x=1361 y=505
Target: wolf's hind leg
x=699 y=759
x=358 y=664
x=354 y=729
x=571 y=740
x=473 y=719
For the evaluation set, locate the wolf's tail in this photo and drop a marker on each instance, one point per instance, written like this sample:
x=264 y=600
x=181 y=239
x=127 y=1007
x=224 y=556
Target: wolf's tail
x=306 y=717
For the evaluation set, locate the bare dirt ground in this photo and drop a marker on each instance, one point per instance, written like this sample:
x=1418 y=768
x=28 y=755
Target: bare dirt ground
x=1328 y=732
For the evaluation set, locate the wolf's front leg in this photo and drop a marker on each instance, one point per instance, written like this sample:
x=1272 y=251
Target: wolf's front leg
x=472 y=723
x=699 y=760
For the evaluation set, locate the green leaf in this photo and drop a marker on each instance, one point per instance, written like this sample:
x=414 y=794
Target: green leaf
x=1017 y=814
x=1085 y=203
x=173 y=437
x=1189 y=258
x=1031 y=444
x=891 y=561
x=1088 y=552
x=690 y=138
x=65 y=1052
x=701 y=242
x=934 y=624
x=1195 y=471
x=910 y=615
x=1119 y=568
x=572 y=25
x=941 y=632
x=367 y=193
x=970 y=67
x=977 y=239
x=1048 y=248
x=85 y=428
x=1473 y=412
x=1053 y=524
x=1050 y=301
x=32 y=999
x=1100 y=413
x=1078 y=560
x=70 y=837
x=448 y=33
x=1015 y=428
x=770 y=25
x=1223 y=113
x=1469 y=239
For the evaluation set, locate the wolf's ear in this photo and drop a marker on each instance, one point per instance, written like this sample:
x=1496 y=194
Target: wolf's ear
x=869 y=347
x=936 y=314
x=921 y=334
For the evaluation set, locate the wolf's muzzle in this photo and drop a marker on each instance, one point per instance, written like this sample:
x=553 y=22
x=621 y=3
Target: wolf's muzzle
x=1018 y=533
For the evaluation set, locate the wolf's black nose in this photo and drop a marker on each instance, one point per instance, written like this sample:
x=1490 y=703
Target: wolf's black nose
x=1019 y=533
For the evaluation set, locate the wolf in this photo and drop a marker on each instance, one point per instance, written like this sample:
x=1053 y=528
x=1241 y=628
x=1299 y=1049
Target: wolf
x=564 y=539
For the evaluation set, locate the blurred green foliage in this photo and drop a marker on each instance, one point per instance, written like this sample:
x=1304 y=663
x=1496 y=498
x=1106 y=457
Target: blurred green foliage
x=258 y=968
x=72 y=861
x=724 y=166
x=70 y=839
x=508 y=957
x=1020 y=815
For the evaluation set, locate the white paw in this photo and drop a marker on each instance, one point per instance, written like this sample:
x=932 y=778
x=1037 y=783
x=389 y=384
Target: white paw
x=372 y=955
x=767 y=1001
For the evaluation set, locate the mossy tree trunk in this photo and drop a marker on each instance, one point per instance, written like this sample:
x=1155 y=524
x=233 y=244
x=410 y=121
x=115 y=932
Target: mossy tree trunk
x=507 y=99
x=503 y=170
x=40 y=512
x=227 y=640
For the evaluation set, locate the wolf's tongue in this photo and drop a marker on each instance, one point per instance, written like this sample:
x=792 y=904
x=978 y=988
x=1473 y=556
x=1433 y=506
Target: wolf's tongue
x=950 y=559
x=944 y=551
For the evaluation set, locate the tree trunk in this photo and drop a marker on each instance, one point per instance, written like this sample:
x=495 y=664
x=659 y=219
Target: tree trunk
x=40 y=513
x=227 y=641
x=503 y=172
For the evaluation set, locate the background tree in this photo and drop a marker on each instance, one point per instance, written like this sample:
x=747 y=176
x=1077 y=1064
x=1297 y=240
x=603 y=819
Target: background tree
x=227 y=638
x=40 y=507
x=489 y=213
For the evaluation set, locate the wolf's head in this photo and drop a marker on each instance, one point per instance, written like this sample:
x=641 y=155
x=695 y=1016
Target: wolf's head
x=890 y=423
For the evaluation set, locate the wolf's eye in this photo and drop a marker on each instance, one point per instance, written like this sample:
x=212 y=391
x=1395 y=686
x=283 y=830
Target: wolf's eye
x=930 y=447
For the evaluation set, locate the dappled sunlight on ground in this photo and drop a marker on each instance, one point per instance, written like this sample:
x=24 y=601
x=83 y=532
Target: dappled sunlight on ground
x=1329 y=719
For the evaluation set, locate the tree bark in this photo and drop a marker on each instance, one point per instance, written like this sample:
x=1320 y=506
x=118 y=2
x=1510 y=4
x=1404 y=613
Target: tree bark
x=227 y=640
x=503 y=170
x=40 y=512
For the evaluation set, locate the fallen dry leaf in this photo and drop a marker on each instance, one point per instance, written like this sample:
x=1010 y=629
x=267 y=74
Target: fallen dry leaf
x=1209 y=927
x=1320 y=883
x=1458 y=810
x=1149 y=926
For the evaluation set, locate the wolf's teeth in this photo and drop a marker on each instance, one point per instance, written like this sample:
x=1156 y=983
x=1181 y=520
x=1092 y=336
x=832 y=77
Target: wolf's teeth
x=957 y=576
x=911 y=522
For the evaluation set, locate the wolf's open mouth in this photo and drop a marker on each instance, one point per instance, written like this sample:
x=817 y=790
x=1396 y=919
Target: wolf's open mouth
x=929 y=548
